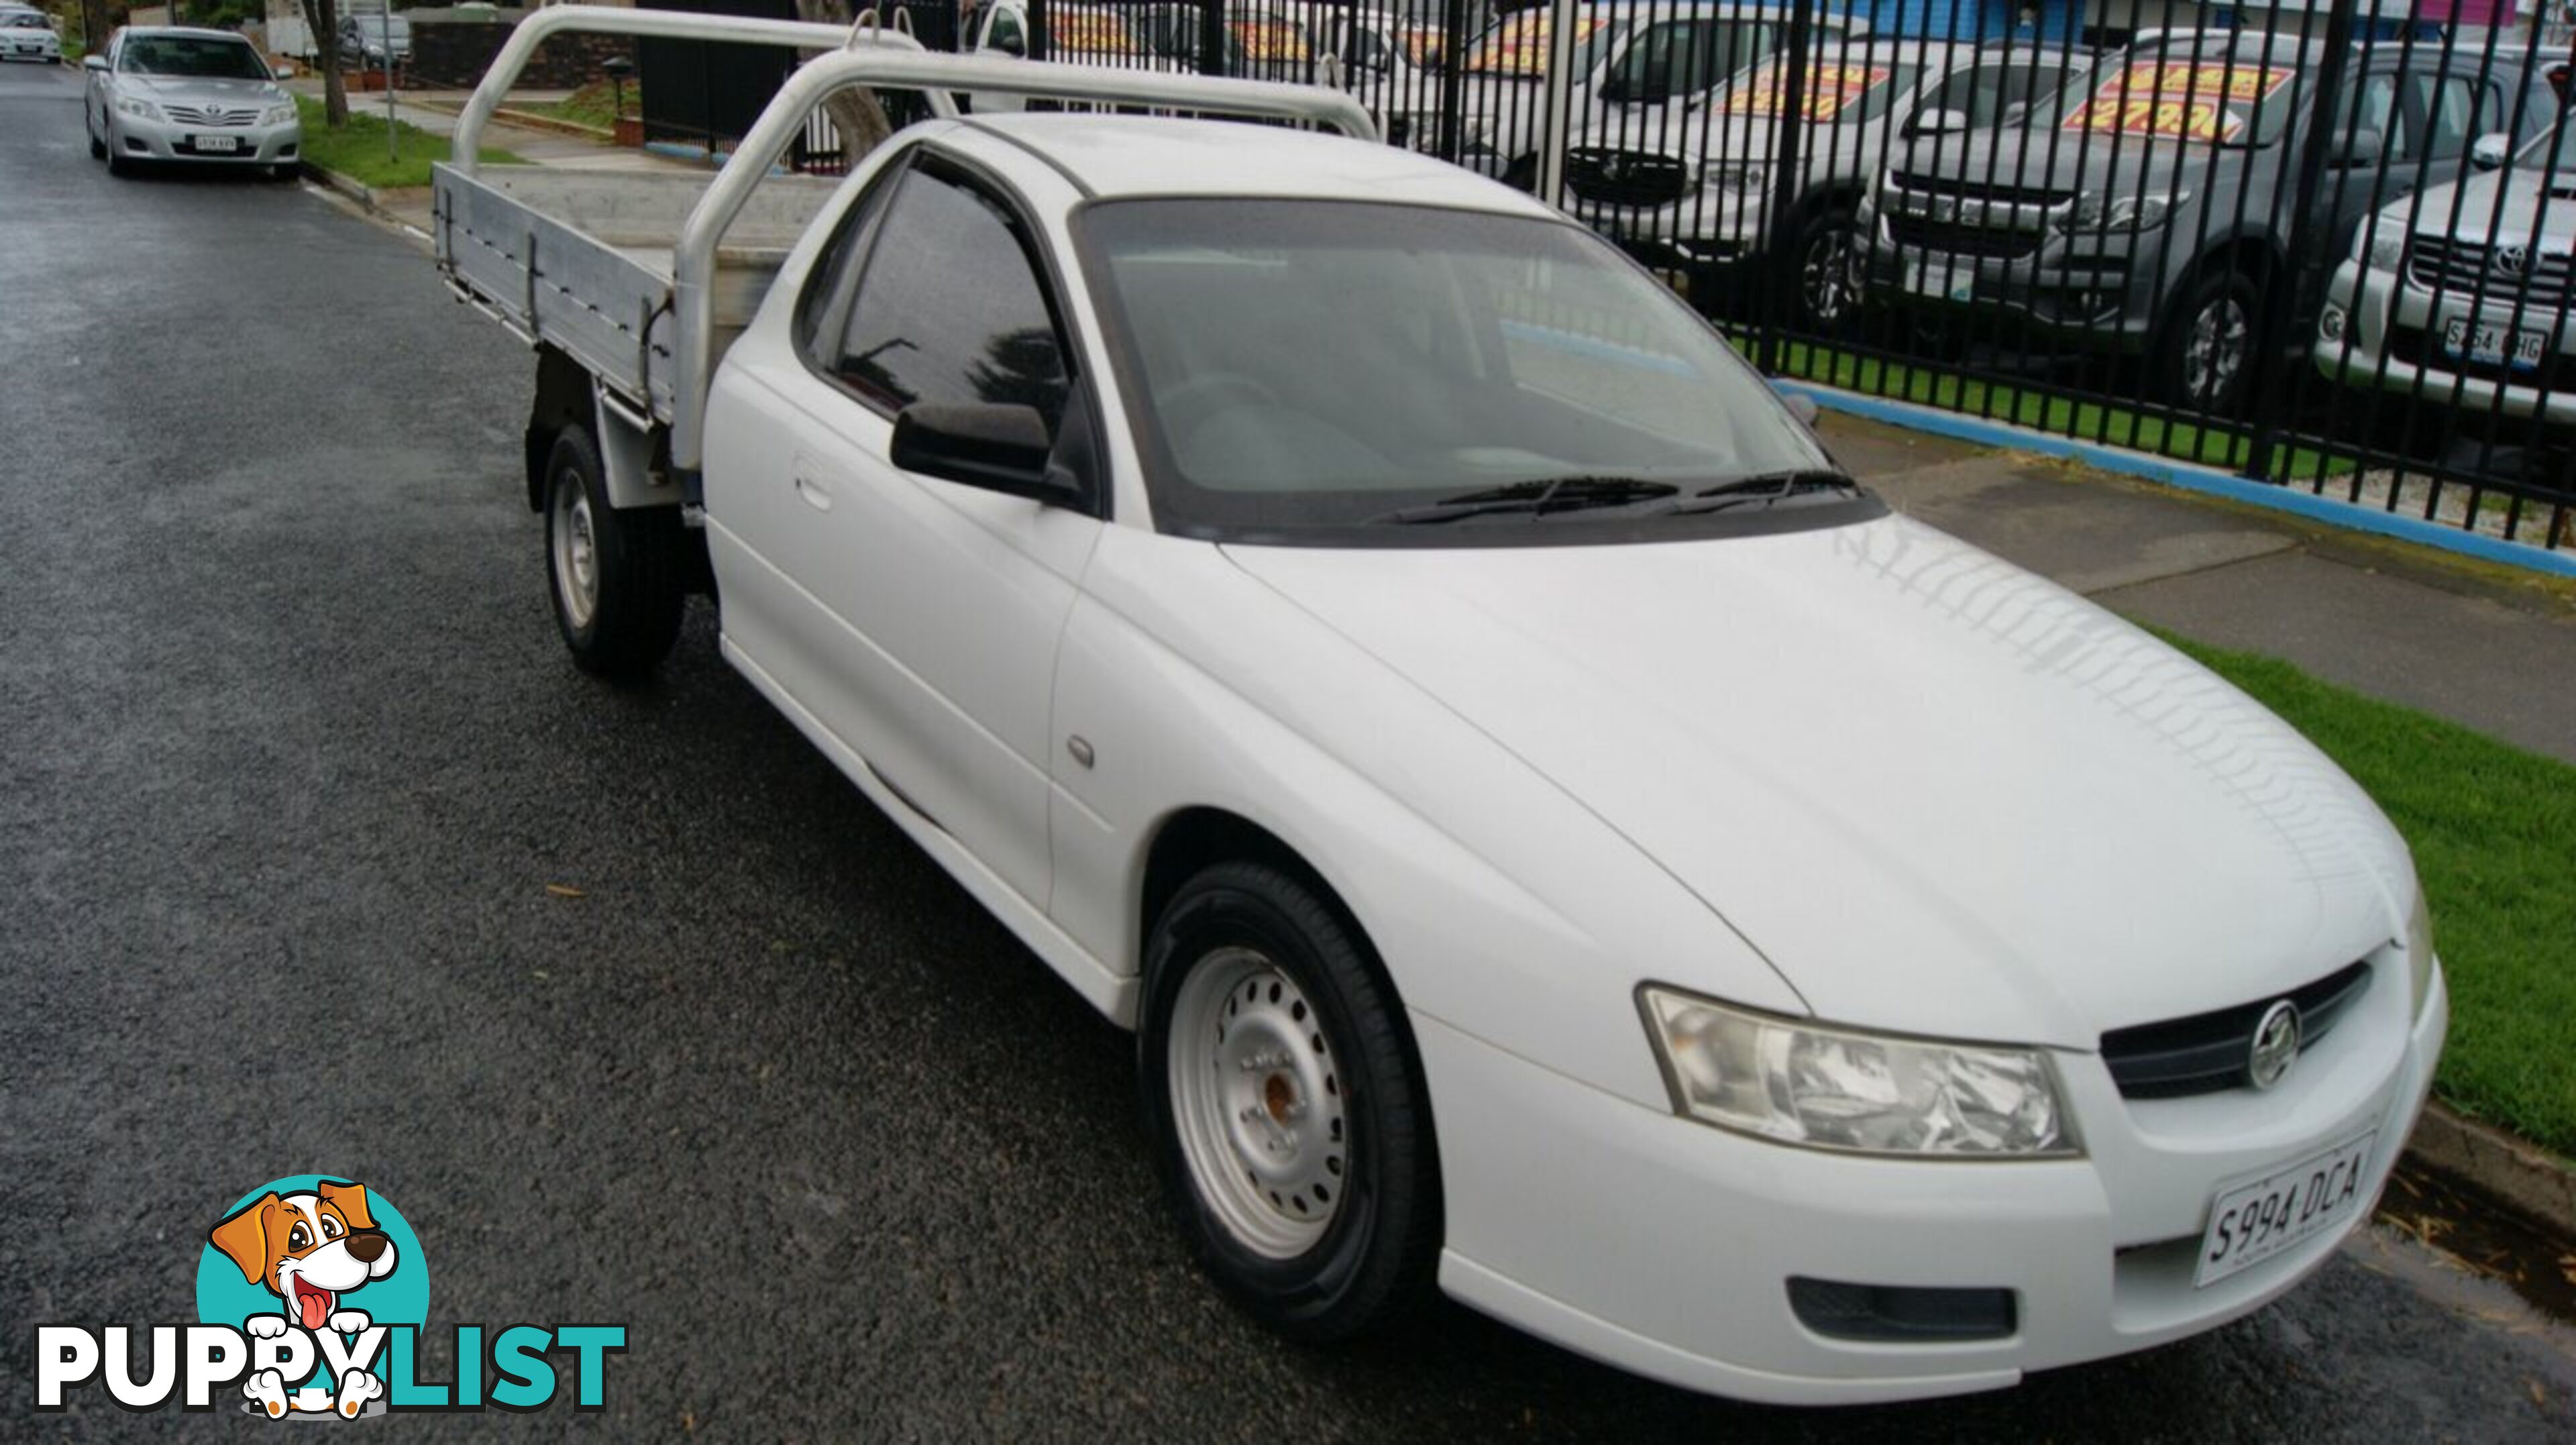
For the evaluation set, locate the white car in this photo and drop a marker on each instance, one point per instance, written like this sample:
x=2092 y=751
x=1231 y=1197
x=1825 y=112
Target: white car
x=166 y=93
x=2460 y=292
x=28 y=34
x=1556 y=836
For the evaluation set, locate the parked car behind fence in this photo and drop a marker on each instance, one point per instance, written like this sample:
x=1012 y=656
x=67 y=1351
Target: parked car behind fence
x=2043 y=217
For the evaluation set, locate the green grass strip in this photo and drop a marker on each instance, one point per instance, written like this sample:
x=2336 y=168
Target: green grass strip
x=2494 y=834
x=357 y=150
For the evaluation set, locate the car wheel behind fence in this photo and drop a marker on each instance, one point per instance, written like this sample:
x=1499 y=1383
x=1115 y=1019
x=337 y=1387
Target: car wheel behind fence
x=2205 y=358
x=1829 y=272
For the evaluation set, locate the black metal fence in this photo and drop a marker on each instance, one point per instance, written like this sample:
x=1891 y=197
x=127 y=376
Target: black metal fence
x=2325 y=245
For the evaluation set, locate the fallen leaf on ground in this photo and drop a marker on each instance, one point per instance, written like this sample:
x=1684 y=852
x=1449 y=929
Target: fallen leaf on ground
x=565 y=890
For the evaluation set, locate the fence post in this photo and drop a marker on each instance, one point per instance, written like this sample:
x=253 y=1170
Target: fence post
x=1779 y=306
x=1445 y=141
x=1041 y=43
x=1556 y=110
x=2282 y=299
x=1211 y=37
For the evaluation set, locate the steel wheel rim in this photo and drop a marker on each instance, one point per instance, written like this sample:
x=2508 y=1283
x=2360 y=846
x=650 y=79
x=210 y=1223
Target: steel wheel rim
x=1830 y=275
x=1257 y=1102
x=576 y=550
x=2217 y=349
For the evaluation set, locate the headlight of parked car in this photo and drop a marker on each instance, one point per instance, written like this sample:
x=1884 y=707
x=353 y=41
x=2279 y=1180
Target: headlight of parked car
x=2387 y=246
x=1836 y=1088
x=2094 y=211
x=1745 y=176
x=2419 y=949
x=139 y=109
x=277 y=114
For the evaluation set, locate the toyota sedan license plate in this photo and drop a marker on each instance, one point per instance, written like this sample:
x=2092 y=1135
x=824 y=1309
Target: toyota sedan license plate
x=2253 y=1222
x=2486 y=343
x=219 y=144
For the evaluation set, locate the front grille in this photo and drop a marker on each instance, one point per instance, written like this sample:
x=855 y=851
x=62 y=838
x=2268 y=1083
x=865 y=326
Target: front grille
x=2465 y=268
x=210 y=115
x=1625 y=178
x=2413 y=345
x=2207 y=1053
x=1922 y=233
x=1996 y=191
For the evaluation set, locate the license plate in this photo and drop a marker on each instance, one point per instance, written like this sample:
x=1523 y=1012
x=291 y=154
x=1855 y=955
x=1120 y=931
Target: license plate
x=219 y=144
x=1943 y=281
x=2486 y=343
x=2250 y=1223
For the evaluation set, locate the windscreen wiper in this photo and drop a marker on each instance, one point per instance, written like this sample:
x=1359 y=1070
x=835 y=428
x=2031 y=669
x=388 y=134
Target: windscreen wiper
x=1763 y=488
x=1536 y=498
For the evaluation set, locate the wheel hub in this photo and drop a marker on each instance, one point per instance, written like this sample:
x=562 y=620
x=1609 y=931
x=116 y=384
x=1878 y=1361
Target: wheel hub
x=1258 y=1103
x=576 y=550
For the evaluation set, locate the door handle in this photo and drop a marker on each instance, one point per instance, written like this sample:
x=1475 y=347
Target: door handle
x=816 y=495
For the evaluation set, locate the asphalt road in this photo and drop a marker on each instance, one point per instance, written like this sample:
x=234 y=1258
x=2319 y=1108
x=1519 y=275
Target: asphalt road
x=289 y=757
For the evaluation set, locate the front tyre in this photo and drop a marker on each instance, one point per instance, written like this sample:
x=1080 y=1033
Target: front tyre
x=1287 y=1110
x=618 y=578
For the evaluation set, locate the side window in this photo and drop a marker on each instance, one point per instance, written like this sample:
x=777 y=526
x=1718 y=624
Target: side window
x=2374 y=107
x=1006 y=35
x=835 y=277
x=949 y=308
x=2442 y=111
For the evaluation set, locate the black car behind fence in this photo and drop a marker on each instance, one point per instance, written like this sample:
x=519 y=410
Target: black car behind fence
x=2324 y=246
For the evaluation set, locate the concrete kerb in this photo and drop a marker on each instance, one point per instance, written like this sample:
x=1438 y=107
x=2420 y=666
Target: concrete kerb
x=2509 y=1172
x=2185 y=476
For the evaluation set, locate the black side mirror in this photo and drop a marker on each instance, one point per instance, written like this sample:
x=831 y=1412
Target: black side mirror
x=999 y=447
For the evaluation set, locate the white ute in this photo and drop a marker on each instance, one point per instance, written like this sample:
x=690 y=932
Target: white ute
x=1554 y=835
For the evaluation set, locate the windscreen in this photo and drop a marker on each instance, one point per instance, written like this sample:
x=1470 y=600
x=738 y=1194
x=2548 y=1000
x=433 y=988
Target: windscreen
x=1839 y=89
x=2226 y=101
x=1685 y=57
x=1305 y=365
x=1518 y=45
x=190 y=55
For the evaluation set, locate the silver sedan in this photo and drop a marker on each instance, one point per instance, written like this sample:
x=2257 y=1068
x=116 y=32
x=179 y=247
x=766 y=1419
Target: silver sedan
x=170 y=94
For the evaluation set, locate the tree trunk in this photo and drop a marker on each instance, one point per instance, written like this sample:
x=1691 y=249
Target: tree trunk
x=855 y=113
x=322 y=17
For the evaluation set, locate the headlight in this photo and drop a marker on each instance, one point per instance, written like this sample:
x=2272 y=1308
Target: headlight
x=2094 y=211
x=140 y=109
x=2419 y=950
x=1750 y=177
x=2387 y=245
x=277 y=114
x=1833 y=1088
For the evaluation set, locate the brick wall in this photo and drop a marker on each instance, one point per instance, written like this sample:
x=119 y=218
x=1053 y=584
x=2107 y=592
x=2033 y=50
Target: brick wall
x=454 y=51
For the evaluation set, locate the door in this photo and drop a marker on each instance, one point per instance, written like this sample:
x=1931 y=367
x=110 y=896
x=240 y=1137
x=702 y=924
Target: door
x=914 y=619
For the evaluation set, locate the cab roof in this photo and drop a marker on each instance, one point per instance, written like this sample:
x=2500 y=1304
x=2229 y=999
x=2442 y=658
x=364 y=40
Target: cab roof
x=1112 y=156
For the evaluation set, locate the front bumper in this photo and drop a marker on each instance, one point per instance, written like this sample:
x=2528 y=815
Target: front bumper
x=1709 y=230
x=48 y=50
x=167 y=140
x=2380 y=330
x=1664 y=1247
x=2097 y=295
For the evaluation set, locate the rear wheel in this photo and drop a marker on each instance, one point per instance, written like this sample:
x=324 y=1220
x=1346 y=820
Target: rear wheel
x=1287 y=1110
x=618 y=578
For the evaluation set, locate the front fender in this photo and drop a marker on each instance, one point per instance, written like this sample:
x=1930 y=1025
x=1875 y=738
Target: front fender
x=1501 y=906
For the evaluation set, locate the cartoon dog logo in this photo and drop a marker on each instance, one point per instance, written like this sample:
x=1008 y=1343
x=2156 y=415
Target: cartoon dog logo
x=309 y=1250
